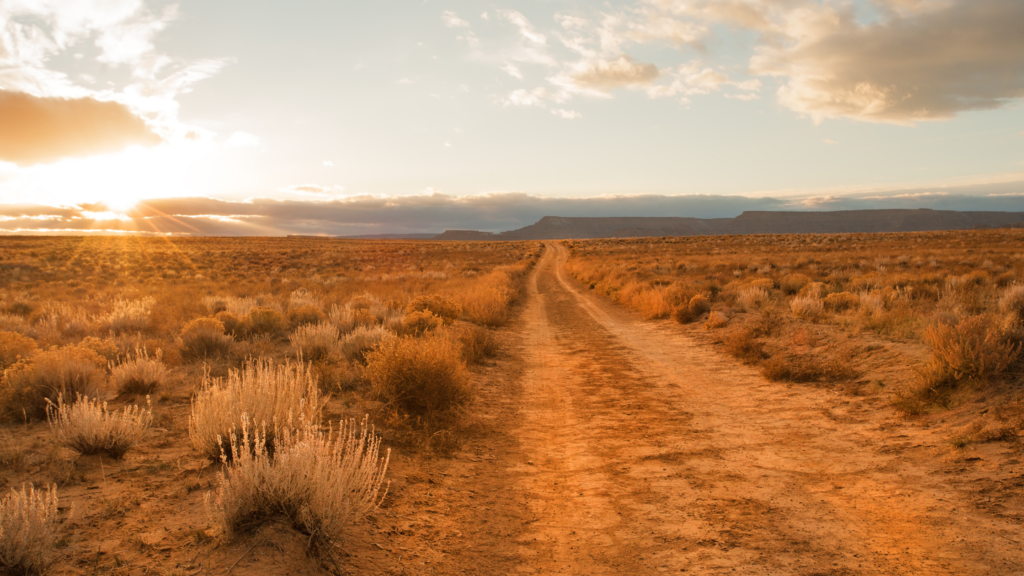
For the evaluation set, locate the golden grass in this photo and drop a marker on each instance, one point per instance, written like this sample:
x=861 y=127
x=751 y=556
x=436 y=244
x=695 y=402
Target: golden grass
x=74 y=316
x=204 y=338
x=767 y=287
x=14 y=347
x=87 y=426
x=316 y=341
x=319 y=481
x=138 y=373
x=32 y=383
x=420 y=377
x=28 y=530
x=267 y=394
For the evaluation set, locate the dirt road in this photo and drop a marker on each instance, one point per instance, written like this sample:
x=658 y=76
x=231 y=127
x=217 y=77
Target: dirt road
x=623 y=447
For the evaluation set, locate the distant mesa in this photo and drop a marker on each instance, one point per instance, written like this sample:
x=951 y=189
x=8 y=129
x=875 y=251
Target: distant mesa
x=757 y=222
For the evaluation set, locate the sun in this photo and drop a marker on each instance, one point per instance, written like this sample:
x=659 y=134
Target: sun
x=118 y=181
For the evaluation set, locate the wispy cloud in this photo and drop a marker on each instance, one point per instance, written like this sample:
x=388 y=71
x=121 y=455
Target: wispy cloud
x=904 y=62
x=452 y=20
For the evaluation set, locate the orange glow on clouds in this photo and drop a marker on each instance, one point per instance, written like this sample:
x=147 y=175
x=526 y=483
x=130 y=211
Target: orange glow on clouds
x=118 y=180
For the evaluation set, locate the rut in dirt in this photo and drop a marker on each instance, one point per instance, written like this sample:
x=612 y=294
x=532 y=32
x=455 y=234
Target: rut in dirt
x=638 y=451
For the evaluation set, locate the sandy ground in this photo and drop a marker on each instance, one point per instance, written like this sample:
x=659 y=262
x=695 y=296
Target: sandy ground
x=624 y=447
x=607 y=445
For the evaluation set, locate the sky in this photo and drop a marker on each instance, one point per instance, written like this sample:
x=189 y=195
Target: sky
x=384 y=116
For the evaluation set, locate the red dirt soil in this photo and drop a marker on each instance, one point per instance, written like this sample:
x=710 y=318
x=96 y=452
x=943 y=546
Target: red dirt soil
x=608 y=445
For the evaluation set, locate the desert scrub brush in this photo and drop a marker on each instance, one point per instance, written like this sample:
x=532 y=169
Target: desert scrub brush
x=28 y=530
x=267 y=394
x=322 y=481
x=88 y=427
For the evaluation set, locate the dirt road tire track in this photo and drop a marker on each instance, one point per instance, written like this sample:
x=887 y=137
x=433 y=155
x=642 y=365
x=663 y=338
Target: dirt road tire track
x=628 y=448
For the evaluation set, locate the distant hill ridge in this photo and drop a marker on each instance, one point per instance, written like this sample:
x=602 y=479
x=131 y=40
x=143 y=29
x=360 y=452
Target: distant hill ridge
x=754 y=222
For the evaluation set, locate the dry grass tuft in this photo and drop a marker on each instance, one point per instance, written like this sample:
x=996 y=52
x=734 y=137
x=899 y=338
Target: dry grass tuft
x=228 y=320
x=204 y=338
x=316 y=341
x=129 y=315
x=446 y=310
x=841 y=301
x=31 y=383
x=716 y=320
x=744 y=345
x=420 y=377
x=138 y=374
x=87 y=426
x=356 y=344
x=262 y=321
x=267 y=394
x=793 y=283
x=973 y=349
x=14 y=347
x=419 y=322
x=806 y=307
x=692 y=310
x=804 y=368
x=487 y=301
x=28 y=530
x=1011 y=304
x=476 y=342
x=752 y=298
x=305 y=314
x=321 y=482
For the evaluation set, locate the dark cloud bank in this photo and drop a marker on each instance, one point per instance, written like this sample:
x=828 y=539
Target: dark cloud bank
x=437 y=212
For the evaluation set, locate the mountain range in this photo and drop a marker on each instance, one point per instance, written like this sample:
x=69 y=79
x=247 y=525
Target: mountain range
x=754 y=222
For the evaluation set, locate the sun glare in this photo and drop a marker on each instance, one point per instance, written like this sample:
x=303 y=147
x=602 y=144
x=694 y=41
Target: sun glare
x=118 y=181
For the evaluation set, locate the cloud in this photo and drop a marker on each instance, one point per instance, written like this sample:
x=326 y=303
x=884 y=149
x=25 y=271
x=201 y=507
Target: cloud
x=452 y=20
x=315 y=191
x=566 y=114
x=601 y=75
x=536 y=97
x=33 y=35
x=890 y=61
x=526 y=29
x=329 y=163
x=242 y=140
x=913 y=65
x=512 y=70
x=36 y=130
x=326 y=210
